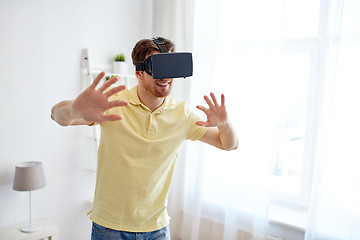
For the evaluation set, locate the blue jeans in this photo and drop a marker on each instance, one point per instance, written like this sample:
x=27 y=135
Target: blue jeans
x=102 y=233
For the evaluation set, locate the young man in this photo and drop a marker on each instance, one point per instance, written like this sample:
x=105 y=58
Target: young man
x=141 y=131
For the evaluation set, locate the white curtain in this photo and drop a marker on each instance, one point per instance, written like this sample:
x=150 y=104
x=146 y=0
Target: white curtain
x=335 y=205
x=259 y=53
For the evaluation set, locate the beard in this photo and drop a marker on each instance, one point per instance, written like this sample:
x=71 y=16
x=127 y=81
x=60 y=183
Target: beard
x=158 y=91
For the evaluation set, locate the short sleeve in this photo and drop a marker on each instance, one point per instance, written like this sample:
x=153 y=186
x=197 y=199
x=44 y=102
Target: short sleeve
x=195 y=132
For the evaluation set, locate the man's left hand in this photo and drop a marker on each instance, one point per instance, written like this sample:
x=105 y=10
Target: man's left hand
x=216 y=114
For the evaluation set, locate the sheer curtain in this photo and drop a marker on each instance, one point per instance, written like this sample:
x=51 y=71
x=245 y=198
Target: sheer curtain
x=244 y=50
x=335 y=205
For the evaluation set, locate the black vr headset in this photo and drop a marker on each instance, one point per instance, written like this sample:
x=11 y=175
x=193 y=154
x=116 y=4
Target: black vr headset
x=166 y=65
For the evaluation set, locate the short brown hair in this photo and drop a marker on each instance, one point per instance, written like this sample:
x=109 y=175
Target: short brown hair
x=146 y=46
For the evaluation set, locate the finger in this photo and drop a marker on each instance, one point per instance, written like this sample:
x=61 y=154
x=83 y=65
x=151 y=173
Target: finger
x=108 y=83
x=214 y=99
x=111 y=117
x=202 y=108
x=118 y=103
x=202 y=123
x=97 y=80
x=222 y=100
x=115 y=90
x=208 y=101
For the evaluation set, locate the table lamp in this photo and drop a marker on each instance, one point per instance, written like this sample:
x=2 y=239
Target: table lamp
x=29 y=176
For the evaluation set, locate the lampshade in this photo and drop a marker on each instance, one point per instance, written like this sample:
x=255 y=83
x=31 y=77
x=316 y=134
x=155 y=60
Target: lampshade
x=29 y=176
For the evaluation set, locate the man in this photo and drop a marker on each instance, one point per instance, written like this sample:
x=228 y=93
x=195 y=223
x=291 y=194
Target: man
x=141 y=131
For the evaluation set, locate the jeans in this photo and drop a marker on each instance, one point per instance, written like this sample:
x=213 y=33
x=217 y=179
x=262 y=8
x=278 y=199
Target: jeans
x=102 y=233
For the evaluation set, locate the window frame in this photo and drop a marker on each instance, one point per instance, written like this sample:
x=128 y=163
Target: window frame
x=316 y=46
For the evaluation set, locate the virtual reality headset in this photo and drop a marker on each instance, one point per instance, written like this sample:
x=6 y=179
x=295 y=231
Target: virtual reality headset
x=165 y=64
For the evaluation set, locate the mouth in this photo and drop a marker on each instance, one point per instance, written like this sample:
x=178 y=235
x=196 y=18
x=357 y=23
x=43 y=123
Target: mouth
x=163 y=84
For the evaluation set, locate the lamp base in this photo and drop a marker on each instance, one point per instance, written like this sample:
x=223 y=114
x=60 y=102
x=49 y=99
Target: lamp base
x=33 y=228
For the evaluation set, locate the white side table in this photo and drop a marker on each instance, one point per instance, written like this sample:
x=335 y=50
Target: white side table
x=47 y=231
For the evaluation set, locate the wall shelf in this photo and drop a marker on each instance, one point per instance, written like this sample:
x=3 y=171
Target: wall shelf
x=91 y=70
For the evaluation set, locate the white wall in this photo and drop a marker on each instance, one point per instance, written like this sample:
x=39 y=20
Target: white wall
x=41 y=42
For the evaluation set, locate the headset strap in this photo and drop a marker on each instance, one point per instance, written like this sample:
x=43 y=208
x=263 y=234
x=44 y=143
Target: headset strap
x=139 y=66
x=160 y=44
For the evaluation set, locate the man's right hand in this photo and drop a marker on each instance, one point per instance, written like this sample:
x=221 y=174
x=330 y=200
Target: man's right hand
x=90 y=106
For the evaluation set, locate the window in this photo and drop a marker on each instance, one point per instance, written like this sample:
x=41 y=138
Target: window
x=288 y=69
x=293 y=151
x=271 y=66
x=298 y=99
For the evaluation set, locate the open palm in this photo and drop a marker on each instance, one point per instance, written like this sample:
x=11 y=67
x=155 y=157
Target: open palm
x=216 y=114
x=92 y=103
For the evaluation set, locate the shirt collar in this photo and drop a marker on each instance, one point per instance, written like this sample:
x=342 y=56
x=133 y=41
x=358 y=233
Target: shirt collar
x=134 y=100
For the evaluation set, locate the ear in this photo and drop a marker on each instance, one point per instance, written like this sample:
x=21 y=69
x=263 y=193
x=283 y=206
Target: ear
x=139 y=74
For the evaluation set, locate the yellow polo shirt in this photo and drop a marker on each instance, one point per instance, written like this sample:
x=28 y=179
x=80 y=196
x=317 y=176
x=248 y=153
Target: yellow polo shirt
x=136 y=161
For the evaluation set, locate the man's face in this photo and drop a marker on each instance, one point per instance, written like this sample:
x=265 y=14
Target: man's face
x=156 y=87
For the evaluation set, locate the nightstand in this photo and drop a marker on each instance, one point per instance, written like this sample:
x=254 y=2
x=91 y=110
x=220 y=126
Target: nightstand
x=13 y=232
